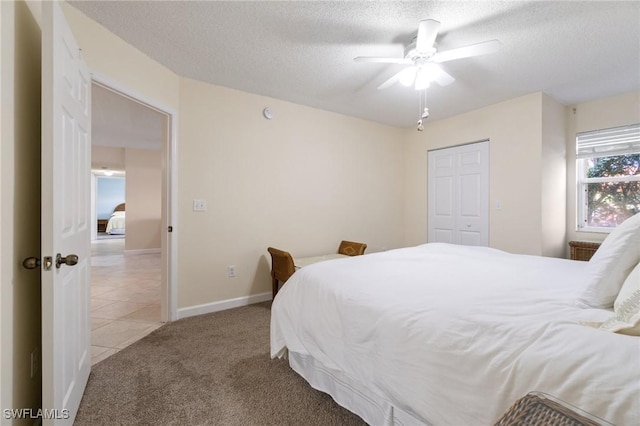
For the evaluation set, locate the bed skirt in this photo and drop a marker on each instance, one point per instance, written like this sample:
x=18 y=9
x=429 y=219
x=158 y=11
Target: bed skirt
x=372 y=408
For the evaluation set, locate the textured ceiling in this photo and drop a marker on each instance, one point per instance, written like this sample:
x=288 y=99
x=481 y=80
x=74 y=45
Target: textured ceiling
x=303 y=51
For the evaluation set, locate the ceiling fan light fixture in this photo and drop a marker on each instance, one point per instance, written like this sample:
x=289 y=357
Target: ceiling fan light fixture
x=422 y=79
x=431 y=71
x=407 y=76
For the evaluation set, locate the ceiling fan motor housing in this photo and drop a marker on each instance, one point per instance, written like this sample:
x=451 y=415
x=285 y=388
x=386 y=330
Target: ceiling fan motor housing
x=411 y=52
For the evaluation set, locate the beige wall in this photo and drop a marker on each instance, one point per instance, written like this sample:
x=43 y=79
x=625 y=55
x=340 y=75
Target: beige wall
x=248 y=170
x=109 y=157
x=553 y=179
x=302 y=182
x=143 y=194
x=604 y=113
x=514 y=131
x=229 y=155
x=534 y=127
x=20 y=211
x=109 y=55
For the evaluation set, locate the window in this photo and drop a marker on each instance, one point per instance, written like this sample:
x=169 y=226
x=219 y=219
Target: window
x=608 y=168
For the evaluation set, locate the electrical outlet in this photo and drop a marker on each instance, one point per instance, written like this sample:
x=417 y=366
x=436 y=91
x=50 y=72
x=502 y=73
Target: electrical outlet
x=34 y=362
x=231 y=271
x=199 y=205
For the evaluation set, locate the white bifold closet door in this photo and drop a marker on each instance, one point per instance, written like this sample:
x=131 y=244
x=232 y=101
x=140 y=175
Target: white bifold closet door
x=458 y=195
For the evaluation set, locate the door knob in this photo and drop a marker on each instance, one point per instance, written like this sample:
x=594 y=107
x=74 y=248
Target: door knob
x=31 y=262
x=69 y=260
x=34 y=262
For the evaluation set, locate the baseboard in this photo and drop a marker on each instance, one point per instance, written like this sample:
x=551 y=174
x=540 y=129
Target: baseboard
x=222 y=305
x=143 y=251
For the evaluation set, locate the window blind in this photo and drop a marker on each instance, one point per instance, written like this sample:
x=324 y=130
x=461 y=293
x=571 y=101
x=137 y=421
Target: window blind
x=608 y=142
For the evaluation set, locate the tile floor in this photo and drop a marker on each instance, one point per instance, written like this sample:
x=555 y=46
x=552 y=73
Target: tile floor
x=125 y=297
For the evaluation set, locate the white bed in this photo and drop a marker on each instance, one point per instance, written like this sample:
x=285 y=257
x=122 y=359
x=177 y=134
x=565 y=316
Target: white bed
x=116 y=223
x=452 y=335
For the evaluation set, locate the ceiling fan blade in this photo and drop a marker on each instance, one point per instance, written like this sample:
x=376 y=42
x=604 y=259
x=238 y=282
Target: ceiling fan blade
x=427 y=32
x=377 y=59
x=467 y=51
x=442 y=77
x=390 y=82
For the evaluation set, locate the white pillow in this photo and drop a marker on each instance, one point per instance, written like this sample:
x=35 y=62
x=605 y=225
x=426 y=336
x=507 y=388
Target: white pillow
x=630 y=286
x=611 y=264
x=627 y=307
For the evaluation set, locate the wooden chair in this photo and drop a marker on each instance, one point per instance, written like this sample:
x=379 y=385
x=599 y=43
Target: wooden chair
x=282 y=267
x=351 y=248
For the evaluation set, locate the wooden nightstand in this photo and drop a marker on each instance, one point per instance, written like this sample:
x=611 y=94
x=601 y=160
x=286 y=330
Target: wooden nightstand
x=582 y=250
x=102 y=225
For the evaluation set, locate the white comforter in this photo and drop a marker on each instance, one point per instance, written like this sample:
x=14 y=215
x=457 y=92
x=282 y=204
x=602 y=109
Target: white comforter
x=116 y=223
x=455 y=334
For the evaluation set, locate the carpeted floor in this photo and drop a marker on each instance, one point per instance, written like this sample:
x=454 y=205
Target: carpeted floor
x=211 y=369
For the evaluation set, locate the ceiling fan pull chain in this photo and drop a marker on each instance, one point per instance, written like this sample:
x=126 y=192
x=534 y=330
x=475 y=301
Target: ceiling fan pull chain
x=425 y=112
x=420 y=126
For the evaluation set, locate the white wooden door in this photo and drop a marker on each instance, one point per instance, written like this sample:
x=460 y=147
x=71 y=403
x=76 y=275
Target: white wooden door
x=66 y=161
x=441 y=187
x=472 y=220
x=458 y=195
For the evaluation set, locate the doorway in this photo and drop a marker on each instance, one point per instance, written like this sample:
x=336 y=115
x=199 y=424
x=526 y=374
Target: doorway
x=458 y=194
x=131 y=286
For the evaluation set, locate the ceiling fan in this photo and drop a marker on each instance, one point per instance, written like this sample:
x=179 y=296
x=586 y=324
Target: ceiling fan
x=422 y=58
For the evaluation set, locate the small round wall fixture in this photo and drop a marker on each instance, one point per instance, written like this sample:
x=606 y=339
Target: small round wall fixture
x=268 y=113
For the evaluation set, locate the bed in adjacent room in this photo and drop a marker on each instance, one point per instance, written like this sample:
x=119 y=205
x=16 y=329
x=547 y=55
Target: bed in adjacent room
x=452 y=335
x=116 y=223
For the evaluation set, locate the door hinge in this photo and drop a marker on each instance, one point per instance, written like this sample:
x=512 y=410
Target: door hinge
x=169 y=228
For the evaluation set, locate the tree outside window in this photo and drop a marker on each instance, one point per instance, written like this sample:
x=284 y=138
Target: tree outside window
x=612 y=186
